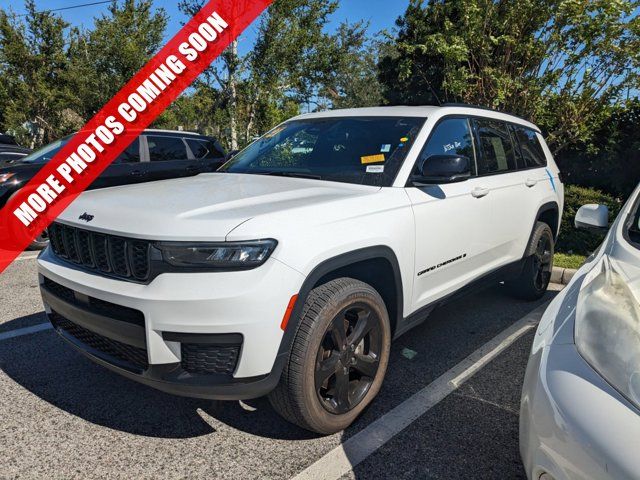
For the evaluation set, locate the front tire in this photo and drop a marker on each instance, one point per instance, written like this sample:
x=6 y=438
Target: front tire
x=338 y=358
x=536 y=272
x=40 y=242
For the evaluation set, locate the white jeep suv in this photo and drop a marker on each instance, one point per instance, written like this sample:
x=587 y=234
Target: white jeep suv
x=290 y=271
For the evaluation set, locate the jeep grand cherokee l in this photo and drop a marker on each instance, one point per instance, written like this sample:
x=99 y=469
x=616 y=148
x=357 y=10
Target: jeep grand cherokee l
x=290 y=273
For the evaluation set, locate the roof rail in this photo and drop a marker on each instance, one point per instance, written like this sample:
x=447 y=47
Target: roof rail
x=164 y=130
x=480 y=107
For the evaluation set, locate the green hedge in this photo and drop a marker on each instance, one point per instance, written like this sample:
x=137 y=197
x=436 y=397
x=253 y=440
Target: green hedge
x=580 y=241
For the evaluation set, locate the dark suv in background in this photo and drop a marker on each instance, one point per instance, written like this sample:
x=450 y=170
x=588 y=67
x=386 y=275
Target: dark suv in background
x=154 y=155
x=10 y=151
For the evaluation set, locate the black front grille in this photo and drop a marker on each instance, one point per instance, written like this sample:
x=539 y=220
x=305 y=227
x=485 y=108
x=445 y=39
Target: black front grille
x=95 y=305
x=133 y=356
x=207 y=359
x=121 y=257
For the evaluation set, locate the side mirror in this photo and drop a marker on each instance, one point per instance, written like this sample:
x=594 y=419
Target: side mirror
x=437 y=169
x=592 y=217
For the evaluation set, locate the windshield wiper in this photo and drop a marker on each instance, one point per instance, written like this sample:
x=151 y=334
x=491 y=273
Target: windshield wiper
x=293 y=175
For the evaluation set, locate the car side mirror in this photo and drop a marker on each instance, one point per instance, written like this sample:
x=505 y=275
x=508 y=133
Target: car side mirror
x=592 y=217
x=437 y=169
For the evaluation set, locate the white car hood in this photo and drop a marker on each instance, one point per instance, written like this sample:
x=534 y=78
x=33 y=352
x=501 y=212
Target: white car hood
x=202 y=208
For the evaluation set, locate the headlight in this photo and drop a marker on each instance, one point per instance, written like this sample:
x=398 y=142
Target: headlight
x=607 y=331
x=238 y=255
x=4 y=177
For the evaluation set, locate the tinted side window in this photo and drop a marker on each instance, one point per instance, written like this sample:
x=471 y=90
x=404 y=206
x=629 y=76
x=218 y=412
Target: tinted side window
x=495 y=148
x=131 y=154
x=452 y=136
x=532 y=153
x=204 y=149
x=166 y=148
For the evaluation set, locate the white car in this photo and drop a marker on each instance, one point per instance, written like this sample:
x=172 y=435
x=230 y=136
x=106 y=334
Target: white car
x=580 y=410
x=289 y=273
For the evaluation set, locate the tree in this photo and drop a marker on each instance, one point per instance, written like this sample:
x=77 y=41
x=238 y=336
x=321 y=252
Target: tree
x=39 y=100
x=119 y=45
x=294 y=62
x=352 y=79
x=562 y=63
x=611 y=161
x=56 y=77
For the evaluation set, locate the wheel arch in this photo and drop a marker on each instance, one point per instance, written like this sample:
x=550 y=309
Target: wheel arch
x=548 y=213
x=371 y=265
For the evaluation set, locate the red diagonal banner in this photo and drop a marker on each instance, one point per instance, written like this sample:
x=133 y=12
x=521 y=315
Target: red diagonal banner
x=120 y=121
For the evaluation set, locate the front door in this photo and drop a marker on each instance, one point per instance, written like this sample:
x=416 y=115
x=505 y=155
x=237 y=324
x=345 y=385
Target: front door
x=125 y=169
x=453 y=221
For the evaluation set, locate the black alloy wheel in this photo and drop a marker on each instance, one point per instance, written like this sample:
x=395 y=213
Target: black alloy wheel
x=338 y=357
x=348 y=358
x=543 y=262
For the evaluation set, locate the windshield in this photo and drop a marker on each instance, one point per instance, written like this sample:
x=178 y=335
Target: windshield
x=46 y=153
x=362 y=150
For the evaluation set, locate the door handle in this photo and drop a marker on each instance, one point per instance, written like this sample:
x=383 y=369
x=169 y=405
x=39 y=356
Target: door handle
x=137 y=173
x=530 y=182
x=479 y=192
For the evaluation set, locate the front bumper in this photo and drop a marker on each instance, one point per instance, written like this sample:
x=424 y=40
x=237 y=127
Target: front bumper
x=573 y=424
x=207 y=335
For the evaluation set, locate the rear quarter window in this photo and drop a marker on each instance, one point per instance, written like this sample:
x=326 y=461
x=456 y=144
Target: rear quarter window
x=204 y=149
x=531 y=151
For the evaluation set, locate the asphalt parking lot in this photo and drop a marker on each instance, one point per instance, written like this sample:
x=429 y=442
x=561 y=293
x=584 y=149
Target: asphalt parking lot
x=64 y=417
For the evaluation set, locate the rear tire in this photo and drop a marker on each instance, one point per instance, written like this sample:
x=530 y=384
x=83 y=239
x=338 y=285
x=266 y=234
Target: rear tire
x=338 y=358
x=536 y=272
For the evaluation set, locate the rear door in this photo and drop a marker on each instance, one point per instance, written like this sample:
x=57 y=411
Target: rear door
x=125 y=169
x=511 y=199
x=453 y=221
x=169 y=158
x=207 y=152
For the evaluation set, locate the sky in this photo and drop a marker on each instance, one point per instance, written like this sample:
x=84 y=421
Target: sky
x=381 y=14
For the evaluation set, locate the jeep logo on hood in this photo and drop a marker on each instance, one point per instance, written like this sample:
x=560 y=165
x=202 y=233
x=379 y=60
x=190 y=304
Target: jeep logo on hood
x=86 y=217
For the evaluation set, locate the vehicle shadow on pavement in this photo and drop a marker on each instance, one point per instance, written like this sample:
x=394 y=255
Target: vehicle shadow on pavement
x=23 y=322
x=44 y=365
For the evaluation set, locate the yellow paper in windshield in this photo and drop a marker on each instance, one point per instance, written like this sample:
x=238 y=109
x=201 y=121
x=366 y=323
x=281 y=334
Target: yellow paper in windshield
x=372 y=159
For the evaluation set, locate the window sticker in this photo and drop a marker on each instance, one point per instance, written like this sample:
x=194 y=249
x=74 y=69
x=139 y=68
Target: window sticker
x=385 y=148
x=375 y=168
x=372 y=159
x=451 y=146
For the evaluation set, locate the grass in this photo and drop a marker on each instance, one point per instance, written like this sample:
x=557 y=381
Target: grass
x=564 y=260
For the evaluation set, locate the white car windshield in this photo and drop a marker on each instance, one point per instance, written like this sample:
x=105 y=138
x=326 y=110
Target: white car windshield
x=362 y=150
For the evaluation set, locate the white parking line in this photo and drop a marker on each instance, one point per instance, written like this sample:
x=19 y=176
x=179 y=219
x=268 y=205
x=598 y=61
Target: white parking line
x=24 y=331
x=345 y=457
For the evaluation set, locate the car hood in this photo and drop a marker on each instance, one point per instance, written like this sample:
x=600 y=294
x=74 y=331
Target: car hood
x=202 y=208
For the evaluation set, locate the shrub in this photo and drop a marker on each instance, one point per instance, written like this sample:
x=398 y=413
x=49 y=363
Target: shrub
x=576 y=241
